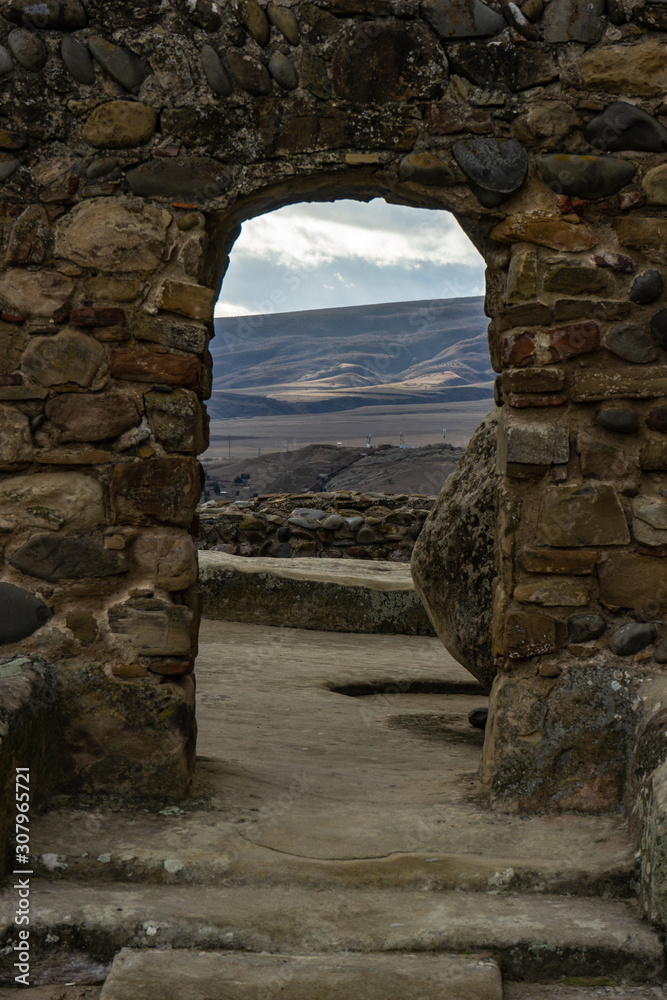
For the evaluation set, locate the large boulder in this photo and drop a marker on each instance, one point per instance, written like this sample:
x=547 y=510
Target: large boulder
x=453 y=563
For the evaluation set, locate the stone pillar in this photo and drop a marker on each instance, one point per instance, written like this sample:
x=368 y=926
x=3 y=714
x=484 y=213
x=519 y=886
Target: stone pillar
x=581 y=594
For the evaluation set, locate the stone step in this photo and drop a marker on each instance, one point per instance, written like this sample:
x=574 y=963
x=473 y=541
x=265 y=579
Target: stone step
x=533 y=937
x=205 y=849
x=198 y=975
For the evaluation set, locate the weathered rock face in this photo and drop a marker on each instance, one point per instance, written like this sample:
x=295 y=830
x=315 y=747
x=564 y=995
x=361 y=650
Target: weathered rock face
x=453 y=563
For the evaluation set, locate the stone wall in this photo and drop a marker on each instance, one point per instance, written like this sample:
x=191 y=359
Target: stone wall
x=134 y=140
x=341 y=525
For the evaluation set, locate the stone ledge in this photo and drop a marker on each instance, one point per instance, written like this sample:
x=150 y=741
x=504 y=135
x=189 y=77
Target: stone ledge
x=328 y=595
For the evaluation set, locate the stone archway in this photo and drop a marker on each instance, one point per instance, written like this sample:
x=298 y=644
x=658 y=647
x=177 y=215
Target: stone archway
x=134 y=141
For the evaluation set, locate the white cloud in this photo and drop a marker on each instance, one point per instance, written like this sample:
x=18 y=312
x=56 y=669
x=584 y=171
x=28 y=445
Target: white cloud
x=306 y=236
x=377 y=252
x=224 y=308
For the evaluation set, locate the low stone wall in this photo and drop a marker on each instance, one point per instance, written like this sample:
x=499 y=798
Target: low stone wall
x=330 y=525
x=327 y=595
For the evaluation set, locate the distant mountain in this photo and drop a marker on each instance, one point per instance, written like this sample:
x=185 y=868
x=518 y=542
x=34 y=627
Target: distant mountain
x=334 y=359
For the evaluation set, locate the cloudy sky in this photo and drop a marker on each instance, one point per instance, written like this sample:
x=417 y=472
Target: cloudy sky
x=347 y=253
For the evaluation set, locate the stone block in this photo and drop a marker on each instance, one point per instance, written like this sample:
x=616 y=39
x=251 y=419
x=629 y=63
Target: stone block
x=119 y=125
x=184 y=178
x=97 y=316
x=162 y=489
x=621 y=383
x=93 y=416
x=653 y=456
x=35 y=293
x=153 y=627
x=534 y=401
x=13 y=340
x=147 y=366
x=172 y=332
x=585 y=176
x=176 y=420
x=106 y=288
x=194 y=301
x=532 y=444
x=569 y=279
x=28 y=238
x=574 y=21
x=522 y=277
x=633 y=69
x=53 y=500
x=574 y=516
x=585 y=628
x=169 y=559
x=69 y=356
x=630 y=580
x=15 y=438
x=546 y=231
x=533 y=380
x=570 y=341
x=429 y=169
x=524 y=634
x=553 y=593
x=560 y=561
x=380 y=61
x=522 y=67
x=446 y=118
x=599 y=459
x=632 y=343
x=112 y=235
x=648 y=235
x=65 y=557
x=649 y=523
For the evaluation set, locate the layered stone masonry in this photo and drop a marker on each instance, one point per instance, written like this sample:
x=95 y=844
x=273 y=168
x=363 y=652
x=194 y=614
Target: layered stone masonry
x=134 y=140
x=341 y=525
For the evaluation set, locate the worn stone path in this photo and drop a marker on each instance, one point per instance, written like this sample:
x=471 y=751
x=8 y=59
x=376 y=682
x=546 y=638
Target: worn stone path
x=337 y=810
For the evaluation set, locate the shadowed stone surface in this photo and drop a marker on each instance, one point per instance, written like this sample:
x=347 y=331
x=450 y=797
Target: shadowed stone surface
x=453 y=563
x=55 y=557
x=95 y=417
x=377 y=62
x=585 y=176
x=624 y=126
x=187 y=177
x=164 y=489
x=22 y=613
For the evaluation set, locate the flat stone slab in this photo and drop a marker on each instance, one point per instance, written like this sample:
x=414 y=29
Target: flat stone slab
x=534 y=937
x=209 y=975
x=330 y=595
